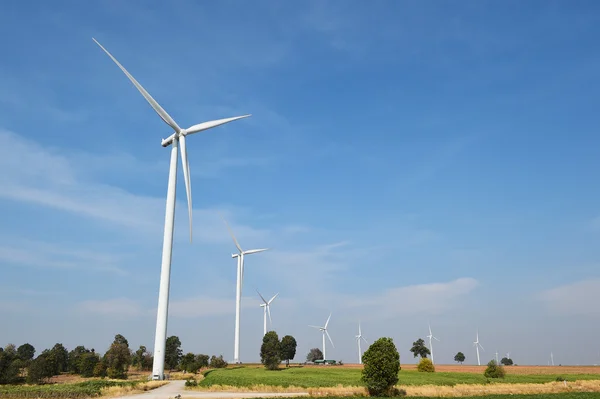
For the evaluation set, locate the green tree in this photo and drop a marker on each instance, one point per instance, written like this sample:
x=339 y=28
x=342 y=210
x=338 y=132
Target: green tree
x=60 y=357
x=75 y=358
x=188 y=363
x=87 y=364
x=217 y=362
x=419 y=349
x=40 y=369
x=118 y=358
x=426 y=365
x=314 y=354
x=288 y=349
x=173 y=352
x=381 y=366
x=26 y=352
x=9 y=367
x=202 y=360
x=270 y=351
x=494 y=370
x=142 y=359
x=459 y=357
x=506 y=361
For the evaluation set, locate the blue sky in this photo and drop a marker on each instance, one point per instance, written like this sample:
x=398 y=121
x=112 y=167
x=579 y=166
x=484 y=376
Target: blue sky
x=405 y=161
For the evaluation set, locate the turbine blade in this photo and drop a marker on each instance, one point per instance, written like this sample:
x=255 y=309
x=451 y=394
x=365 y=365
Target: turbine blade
x=481 y=347
x=186 y=177
x=359 y=333
x=314 y=326
x=436 y=339
x=327 y=332
x=363 y=338
x=269 y=312
x=159 y=110
x=210 y=124
x=231 y=233
x=271 y=300
x=327 y=322
x=255 y=251
x=261 y=297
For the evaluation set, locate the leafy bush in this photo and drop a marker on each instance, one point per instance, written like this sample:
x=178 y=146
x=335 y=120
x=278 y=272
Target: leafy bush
x=494 y=370
x=426 y=365
x=381 y=367
x=190 y=382
x=218 y=362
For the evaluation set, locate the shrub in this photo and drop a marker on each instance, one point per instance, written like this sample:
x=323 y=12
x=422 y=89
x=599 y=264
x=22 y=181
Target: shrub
x=218 y=362
x=493 y=370
x=426 y=365
x=191 y=382
x=381 y=367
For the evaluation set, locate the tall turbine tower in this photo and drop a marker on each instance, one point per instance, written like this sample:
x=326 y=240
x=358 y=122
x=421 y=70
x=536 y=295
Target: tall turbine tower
x=266 y=305
x=477 y=345
x=175 y=139
x=238 y=292
x=358 y=338
x=552 y=358
x=324 y=331
x=430 y=336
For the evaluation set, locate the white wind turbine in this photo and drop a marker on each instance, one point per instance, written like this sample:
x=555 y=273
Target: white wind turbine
x=178 y=137
x=430 y=336
x=238 y=292
x=477 y=345
x=552 y=358
x=324 y=331
x=358 y=338
x=266 y=305
x=497 y=356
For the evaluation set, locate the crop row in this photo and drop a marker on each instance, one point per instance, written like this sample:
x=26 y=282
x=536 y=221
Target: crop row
x=72 y=391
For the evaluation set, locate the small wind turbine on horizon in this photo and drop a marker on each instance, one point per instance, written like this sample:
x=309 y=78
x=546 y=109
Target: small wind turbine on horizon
x=430 y=336
x=358 y=338
x=552 y=358
x=238 y=292
x=175 y=139
x=325 y=332
x=497 y=356
x=477 y=345
x=266 y=305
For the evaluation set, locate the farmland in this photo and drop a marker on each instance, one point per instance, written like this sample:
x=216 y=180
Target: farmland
x=331 y=376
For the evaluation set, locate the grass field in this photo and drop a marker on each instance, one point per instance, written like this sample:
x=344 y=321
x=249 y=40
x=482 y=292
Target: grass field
x=325 y=376
x=569 y=395
x=77 y=390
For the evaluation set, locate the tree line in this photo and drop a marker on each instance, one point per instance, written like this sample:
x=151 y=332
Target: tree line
x=19 y=364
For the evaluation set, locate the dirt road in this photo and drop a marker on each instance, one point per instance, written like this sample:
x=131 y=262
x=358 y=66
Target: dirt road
x=174 y=388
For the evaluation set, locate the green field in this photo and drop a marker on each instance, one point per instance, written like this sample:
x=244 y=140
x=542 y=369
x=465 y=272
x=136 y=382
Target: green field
x=570 y=395
x=312 y=377
x=78 y=390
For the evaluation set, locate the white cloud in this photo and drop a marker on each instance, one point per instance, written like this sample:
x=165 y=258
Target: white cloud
x=579 y=298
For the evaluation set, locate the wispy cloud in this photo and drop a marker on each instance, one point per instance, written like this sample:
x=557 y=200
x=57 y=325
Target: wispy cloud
x=578 y=298
x=117 y=307
x=430 y=298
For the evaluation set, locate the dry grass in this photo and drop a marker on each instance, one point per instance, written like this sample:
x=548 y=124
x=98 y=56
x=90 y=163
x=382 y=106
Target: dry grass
x=253 y=388
x=113 y=392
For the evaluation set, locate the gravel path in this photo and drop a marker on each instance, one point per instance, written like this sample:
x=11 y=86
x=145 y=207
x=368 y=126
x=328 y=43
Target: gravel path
x=175 y=388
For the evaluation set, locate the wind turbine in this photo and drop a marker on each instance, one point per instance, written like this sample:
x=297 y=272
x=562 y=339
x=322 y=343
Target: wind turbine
x=358 y=338
x=497 y=356
x=178 y=137
x=552 y=358
x=430 y=336
x=238 y=292
x=324 y=331
x=267 y=309
x=477 y=345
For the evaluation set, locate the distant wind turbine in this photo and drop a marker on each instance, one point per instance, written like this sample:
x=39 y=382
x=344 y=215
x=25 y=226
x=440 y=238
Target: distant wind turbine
x=477 y=345
x=175 y=139
x=552 y=358
x=497 y=357
x=430 y=336
x=358 y=338
x=266 y=305
x=324 y=331
x=238 y=292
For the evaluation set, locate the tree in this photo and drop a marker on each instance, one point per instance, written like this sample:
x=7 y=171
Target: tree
x=493 y=370
x=270 y=351
x=9 y=368
x=506 y=361
x=288 y=349
x=41 y=369
x=218 y=362
x=188 y=363
x=173 y=352
x=426 y=365
x=60 y=357
x=314 y=354
x=87 y=364
x=118 y=358
x=75 y=358
x=26 y=352
x=202 y=360
x=381 y=366
x=419 y=349
x=142 y=359
x=459 y=357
